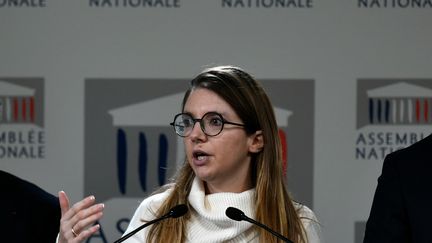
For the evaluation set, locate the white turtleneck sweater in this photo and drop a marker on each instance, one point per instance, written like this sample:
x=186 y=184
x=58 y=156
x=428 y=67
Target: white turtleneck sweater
x=208 y=222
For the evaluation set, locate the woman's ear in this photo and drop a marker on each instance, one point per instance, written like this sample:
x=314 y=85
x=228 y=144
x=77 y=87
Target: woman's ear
x=257 y=142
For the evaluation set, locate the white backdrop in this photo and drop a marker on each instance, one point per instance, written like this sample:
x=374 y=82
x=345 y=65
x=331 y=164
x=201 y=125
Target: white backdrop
x=341 y=45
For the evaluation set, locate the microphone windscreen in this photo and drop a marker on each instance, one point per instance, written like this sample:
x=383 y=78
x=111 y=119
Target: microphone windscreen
x=234 y=213
x=178 y=211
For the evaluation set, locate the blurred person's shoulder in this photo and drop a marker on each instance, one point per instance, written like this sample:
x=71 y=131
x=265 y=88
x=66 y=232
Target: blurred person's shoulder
x=418 y=148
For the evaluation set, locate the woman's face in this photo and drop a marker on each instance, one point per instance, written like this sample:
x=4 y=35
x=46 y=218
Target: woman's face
x=222 y=161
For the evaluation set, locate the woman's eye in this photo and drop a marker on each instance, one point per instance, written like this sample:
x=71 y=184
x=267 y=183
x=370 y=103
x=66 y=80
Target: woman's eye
x=187 y=123
x=216 y=122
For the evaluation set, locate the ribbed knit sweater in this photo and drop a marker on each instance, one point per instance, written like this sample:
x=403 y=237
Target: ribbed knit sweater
x=208 y=222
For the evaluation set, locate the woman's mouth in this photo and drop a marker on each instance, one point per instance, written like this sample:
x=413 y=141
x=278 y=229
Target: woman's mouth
x=200 y=158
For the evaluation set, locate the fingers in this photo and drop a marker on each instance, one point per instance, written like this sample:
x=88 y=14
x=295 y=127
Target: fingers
x=77 y=222
x=86 y=233
x=64 y=202
x=87 y=217
x=79 y=206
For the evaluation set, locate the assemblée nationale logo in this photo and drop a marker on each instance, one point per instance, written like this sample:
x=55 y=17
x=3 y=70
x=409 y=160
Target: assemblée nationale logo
x=22 y=135
x=391 y=114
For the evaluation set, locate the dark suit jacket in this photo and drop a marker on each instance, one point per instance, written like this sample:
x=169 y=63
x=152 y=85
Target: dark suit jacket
x=27 y=212
x=402 y=205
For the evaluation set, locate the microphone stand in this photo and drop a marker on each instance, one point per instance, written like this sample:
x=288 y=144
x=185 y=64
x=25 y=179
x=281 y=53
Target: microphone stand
x=268 y=229
x=140 y=228
x=238 y=215
x=175 y=212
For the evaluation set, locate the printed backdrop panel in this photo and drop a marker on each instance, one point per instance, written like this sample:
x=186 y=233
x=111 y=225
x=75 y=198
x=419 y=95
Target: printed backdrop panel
x=88 y=88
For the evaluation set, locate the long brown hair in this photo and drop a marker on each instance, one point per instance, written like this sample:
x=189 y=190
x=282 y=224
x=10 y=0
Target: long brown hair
x=249 y=100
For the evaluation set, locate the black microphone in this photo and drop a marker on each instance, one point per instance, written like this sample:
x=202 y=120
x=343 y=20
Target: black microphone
x=237 y=214
x=175 y=212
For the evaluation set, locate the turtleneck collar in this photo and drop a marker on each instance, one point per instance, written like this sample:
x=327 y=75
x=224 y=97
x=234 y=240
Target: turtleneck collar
x=209 y=219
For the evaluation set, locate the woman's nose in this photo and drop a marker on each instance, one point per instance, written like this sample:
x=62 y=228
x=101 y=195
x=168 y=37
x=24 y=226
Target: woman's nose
x=197 y=133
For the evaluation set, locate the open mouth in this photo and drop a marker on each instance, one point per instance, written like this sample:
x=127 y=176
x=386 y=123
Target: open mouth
x=199 y=155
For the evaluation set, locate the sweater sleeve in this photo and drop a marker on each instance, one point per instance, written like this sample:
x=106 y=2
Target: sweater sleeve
x=145 y=212
x=311 y=225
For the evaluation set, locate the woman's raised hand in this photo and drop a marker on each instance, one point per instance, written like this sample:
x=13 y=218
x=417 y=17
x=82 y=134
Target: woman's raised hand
x=77 y=222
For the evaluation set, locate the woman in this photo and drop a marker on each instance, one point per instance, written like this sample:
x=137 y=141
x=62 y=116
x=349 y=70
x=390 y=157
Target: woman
x=233 y=159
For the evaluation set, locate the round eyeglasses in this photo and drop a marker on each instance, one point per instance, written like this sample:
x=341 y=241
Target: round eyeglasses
x=211 y=124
